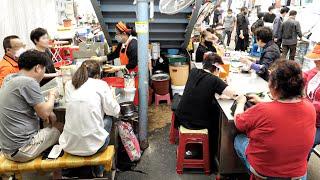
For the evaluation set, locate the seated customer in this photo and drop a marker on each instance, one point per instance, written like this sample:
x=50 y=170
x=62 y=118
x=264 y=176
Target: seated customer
x=88 y=100
x=278 y=134
x=269 y=55
x=40 y=39
x=208 y=39
x=13 y=47
x=21 y=106
x=198 y=108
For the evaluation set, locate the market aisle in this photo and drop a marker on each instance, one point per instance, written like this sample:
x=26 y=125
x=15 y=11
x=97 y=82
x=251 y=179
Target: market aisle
x=159 y=161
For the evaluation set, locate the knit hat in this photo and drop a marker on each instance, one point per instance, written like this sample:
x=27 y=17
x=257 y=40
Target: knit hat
x=315 y=54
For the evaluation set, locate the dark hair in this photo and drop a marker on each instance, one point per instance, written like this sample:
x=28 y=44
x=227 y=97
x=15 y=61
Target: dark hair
x=264 y=34
x=229 y=10
x=284 y=10
x=7 y=42
x=210 y=30
x=88 y=69
x=292 y=13
x=32 y=58
x=36 y=34
x=132 y=32
x=270 y=8
x=286 y=78
x=209 y=61
x=243 y=9
x=260 y=15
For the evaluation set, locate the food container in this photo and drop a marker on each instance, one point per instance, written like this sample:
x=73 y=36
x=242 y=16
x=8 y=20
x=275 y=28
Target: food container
x=224 y=74
x=176 y=58
x=129 y=81
x=127 y=109
x=177 y=90
x=173 y=51
x=161 y=83
x=155 y=51
x=129 y=94
x=179 y=74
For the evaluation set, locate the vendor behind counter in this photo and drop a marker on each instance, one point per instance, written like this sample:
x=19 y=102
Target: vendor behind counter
x=127 y=48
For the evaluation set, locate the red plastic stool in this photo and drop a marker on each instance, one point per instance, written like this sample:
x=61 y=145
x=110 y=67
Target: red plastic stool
x=187 y=136
x=162 y=98
x=173 y=131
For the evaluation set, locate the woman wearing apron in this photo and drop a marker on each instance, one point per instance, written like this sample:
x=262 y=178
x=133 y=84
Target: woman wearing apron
x=126 y=51
x=312 y=79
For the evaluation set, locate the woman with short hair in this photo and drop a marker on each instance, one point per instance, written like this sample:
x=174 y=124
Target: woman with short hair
x=278 y=135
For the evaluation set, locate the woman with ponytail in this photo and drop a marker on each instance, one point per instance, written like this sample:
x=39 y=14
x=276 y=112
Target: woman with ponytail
x=89 y=105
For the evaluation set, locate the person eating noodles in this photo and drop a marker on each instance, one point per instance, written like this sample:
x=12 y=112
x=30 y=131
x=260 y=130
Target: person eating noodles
x=279 y=134
x=268 y=56
x=312 y=80
x=198 y=108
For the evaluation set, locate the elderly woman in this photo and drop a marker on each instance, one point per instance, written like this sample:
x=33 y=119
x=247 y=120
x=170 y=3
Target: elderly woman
x=312 y=79
x=278 y=135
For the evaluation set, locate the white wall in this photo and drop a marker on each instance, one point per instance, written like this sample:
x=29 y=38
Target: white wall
x=19 y=17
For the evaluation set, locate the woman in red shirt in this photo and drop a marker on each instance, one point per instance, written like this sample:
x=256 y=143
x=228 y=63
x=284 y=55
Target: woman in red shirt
x=312 y=80
x=280 y=133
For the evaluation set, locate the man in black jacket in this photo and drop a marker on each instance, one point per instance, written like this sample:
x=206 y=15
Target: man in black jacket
x=242 y=30
x=277 y=26
x=269 y=55
x=290 y=31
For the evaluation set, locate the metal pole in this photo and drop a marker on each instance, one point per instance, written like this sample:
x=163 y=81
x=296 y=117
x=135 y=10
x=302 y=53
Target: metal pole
x=142 y=27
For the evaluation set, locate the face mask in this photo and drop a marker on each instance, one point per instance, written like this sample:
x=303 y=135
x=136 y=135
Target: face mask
x=19 y=52
x=118 y=38
x=208 y=43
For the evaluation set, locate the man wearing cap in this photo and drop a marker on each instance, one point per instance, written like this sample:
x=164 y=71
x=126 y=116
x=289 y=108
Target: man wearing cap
x=312 y=80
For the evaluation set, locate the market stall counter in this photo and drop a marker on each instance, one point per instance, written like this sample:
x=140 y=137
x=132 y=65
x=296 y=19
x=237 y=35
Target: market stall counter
x=228 y=161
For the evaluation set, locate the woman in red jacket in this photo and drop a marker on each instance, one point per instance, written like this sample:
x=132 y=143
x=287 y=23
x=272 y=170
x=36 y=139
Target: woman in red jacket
x=312 y=80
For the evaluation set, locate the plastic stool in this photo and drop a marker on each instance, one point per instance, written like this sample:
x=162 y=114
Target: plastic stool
x=162 y=98
x=187 y=136
x=173 y=131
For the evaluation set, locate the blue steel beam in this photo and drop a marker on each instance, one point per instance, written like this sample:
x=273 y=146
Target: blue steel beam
x=143 y=41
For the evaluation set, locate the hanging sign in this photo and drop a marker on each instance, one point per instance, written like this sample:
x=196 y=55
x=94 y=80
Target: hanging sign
x=142 y=27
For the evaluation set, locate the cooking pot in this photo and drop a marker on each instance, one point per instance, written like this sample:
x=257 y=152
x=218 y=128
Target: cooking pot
x=161 y=83
x=127 y=109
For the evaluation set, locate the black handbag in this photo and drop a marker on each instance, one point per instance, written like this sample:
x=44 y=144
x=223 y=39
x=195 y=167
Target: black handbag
x=247 y=105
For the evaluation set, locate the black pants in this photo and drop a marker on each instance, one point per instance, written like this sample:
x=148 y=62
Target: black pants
x=242 y=44
x=279 y=42
x=286 y=49
x=228 y=34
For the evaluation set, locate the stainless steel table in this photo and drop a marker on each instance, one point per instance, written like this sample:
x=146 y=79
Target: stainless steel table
x=228 y=161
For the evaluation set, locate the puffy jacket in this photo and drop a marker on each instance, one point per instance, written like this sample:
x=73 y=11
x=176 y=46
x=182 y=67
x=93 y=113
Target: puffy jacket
x=269 y=55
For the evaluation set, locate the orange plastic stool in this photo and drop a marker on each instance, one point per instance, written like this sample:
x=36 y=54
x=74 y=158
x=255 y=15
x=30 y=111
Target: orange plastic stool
x=162 y=98
x=173 y=131
x=187 y=136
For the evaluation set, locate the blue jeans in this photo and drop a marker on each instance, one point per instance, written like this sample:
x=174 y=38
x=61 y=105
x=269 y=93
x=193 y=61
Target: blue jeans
x=241 y=142
x=316 y=141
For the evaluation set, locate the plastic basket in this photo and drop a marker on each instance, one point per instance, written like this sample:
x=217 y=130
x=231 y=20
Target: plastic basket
x=116 y=82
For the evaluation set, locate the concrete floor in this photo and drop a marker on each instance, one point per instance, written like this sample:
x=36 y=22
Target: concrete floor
x=159 y=162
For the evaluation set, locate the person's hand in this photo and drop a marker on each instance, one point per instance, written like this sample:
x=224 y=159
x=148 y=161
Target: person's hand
x=254 y=98
x=54 y=93
x=241 y=36
x=59 y=73
x=241 y=99
x=245 y=60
